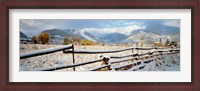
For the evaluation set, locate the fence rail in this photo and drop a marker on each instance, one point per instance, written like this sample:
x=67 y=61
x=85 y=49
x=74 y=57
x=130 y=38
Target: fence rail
x=44 y=51
x=109 y=51
x=95 y=52
x=112 y=60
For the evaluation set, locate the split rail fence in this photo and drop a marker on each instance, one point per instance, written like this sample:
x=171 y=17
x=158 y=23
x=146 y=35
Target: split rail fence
x=140 y=60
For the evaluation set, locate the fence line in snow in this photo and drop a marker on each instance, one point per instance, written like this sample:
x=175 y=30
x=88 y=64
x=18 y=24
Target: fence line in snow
x=70 y=49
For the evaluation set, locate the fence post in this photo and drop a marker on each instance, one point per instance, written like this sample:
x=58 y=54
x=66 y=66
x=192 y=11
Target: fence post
x=132 y=51
x=73 y=56
x=105 y=60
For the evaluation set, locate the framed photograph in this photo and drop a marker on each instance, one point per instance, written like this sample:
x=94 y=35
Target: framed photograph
x=100 y=45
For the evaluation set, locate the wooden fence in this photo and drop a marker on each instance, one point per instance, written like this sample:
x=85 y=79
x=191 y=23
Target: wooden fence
x=136 y=60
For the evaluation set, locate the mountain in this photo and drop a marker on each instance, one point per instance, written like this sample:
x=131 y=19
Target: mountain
x=53 y=32
x=165 y=30
x=148 y=37
x=22 y=35
x=89 y=36
x=136 y=31
x=114 y=38
x=157 y=27
x=57 y=35
x=145 y=37
x=73 y=33
x=153 y=31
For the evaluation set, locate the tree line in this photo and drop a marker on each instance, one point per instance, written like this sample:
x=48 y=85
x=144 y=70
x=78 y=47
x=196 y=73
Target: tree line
x=43 y=38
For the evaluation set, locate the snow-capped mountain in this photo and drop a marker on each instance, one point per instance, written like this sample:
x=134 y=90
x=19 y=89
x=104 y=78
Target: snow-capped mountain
x=57 y=35
x=89 y=36
x=153 y=32
x=114 y=38
x=22 y=35
x=146 y=37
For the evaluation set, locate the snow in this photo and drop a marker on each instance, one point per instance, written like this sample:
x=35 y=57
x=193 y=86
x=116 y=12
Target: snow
x=168 y=63
x=82 y=32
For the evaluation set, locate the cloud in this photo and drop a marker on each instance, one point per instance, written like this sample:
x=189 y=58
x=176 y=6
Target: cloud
x=121 y=23
x=33 y=27
x=123 y=30
x=133 y=23
x=172 y=23
x=36 y=24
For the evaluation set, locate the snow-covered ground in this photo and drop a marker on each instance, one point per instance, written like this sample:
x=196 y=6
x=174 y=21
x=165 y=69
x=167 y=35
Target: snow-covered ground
x=167 y=63
x=171 y=62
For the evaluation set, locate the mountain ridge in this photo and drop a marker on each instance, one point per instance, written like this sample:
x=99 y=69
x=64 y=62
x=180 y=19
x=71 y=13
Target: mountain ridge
x=22 y=35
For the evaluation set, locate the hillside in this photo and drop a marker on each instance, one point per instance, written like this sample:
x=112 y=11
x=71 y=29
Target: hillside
x=89 y=36
x=150 y=34
x=146 y=37
x=57 y=35
x=53 y=32
x=22 y=35
x=157 y=27
x=151 y=37
x=114 y=38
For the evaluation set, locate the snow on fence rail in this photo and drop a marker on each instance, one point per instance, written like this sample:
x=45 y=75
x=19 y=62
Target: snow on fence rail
x=109 y=51
x=44 y=51
x=108 y=62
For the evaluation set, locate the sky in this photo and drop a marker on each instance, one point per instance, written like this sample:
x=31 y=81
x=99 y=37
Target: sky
x=32 y=27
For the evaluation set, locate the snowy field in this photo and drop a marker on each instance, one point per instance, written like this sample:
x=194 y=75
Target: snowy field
x=167 y=63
